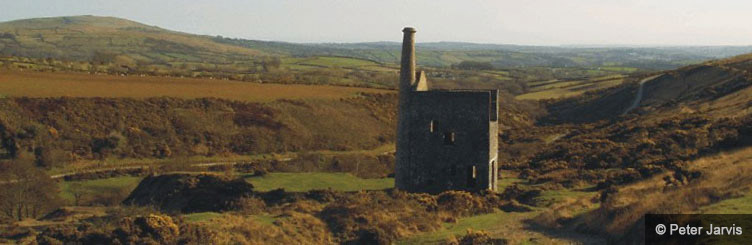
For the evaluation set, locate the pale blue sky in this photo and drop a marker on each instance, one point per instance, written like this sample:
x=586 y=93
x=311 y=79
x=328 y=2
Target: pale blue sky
x=536 y=22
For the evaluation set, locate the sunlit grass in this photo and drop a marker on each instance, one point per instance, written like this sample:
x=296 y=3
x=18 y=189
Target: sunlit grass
x=126 y=184
x=739 y=205
x=199 y=217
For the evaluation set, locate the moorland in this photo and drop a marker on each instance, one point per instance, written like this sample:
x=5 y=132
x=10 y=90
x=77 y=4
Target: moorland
x=116 y=131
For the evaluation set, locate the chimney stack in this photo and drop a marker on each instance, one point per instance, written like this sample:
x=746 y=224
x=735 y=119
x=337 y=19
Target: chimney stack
x=407 y=69
x=407 y=80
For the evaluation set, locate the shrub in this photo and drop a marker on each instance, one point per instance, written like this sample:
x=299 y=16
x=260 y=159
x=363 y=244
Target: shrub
x=31 y=192
x=461 y=203
x=474 y=237
x=377 y=217
x=147 y=229
x=249 y=205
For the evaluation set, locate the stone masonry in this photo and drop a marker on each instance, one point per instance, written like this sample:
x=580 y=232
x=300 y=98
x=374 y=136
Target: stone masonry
x=446 y=139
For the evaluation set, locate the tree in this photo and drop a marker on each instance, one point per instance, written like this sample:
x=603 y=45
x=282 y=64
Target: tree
x=47 y=157
x=26 y=192
x=78 y=191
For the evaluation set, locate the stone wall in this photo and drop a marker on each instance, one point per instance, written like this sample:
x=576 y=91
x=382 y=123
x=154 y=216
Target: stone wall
x=449 y=136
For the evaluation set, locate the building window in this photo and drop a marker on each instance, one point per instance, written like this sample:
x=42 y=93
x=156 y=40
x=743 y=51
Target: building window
x=471 y=176
x=433 y=126
x=449 y=138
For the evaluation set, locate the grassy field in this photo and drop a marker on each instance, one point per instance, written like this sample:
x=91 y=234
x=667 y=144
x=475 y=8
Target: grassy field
x=514 y=226
x=480 y=222
x=47 y=84
x=548 y=198
x=739 y=205
x=116 y=184
x=554 y=89
x=510 y=226
x=300 y=182
x=331 y=62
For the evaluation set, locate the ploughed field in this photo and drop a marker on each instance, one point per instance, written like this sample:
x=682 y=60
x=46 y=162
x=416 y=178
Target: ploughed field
x=59 y=84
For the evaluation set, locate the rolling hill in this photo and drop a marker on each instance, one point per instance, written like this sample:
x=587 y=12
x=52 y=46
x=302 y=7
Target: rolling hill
x=720 y=88
x=96 y=38
x=444 y=54
x=129 y=42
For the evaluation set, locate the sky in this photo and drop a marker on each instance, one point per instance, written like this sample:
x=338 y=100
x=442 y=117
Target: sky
x=525 y=22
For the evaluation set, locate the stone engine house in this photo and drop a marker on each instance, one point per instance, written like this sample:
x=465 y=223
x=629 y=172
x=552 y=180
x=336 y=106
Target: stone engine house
x=446 y=139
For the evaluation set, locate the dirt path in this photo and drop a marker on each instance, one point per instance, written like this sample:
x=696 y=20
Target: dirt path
x=638 y=98
x=381 y=150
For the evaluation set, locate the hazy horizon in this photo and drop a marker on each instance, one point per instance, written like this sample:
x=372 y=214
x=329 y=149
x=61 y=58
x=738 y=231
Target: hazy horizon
x=540 y=23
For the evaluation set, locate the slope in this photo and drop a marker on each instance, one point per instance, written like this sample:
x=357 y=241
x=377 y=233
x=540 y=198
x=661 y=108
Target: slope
x=719 y=88
x=105 y=39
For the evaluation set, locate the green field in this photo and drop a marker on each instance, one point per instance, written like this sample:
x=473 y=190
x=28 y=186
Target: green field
x=300 y=182
x=555 y=89
x=739 y=205
x=510 y=225
x=116 y=184
x=331 y=62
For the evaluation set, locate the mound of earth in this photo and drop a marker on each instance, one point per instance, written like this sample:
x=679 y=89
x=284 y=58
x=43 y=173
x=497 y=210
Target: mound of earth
x=188 y=193
x=74 y=213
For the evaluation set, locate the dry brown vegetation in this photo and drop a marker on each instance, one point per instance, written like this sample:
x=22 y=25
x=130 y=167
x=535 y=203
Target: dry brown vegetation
x=683 y=115
x=97 y=128
x=686 y=148
x=614 y=153
x=622 y=209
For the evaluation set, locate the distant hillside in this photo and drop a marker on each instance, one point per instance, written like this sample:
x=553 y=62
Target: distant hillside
x=719 y=88
x=130 y=43
x=86 y=38
x=443 y=54
x=116 y=46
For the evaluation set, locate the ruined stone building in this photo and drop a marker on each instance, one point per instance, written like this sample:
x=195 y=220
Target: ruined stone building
x=446 y=139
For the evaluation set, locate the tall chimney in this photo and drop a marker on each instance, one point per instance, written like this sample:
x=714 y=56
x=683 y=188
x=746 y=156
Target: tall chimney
x=402 y=178
x=407 y=69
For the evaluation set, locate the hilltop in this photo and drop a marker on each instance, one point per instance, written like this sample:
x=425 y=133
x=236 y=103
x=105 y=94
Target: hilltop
x=91 y=37
x=445 y=54
x=108 y=38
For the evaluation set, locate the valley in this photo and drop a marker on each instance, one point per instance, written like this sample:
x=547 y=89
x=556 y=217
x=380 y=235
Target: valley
x=170 y=137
